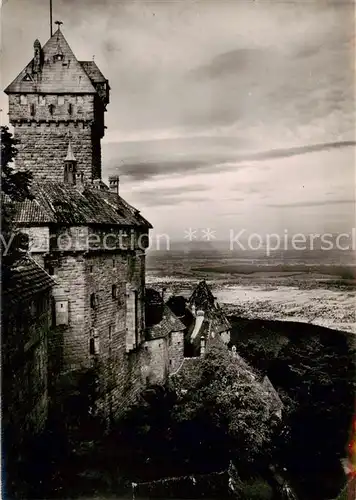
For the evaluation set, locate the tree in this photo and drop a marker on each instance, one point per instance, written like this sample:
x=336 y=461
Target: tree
x=15 y=187
x=228 y=398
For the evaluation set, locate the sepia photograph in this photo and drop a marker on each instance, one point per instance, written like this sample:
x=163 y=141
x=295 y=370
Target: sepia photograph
x=178 y=249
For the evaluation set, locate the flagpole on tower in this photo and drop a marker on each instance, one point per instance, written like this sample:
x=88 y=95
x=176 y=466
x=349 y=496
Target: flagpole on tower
x=50 y=17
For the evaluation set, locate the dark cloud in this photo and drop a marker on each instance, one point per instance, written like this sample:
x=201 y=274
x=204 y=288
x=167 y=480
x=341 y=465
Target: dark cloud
x=166 y=196
x=142 y=170
x=306 y=204
x=231 y=62
x=139 y=171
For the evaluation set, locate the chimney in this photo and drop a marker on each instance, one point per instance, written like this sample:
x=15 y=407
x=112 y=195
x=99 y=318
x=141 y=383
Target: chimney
x=114 y=184
x=70 y=167
x=37 y=52
x=80 y=181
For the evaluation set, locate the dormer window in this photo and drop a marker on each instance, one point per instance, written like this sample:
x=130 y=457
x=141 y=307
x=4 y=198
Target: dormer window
x=59 y=56
x=27 y=78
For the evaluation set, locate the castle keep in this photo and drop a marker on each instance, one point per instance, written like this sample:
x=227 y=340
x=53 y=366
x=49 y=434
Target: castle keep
x=56 y=98
x=87 y=238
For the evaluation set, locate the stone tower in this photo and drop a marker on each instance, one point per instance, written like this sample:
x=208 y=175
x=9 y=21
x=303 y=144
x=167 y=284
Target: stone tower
x=90 y=240
x=54 y=99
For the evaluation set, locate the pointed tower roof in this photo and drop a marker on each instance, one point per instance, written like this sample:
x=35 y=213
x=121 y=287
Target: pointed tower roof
x=202 y=296
x=63 y=75
x=70 y=156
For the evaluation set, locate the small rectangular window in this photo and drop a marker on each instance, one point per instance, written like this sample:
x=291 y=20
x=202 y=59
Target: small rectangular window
x=92 y=347
x=50 y=270
x=110 y=332
x=91 y=269
x=51 y=108
x=23 y=99
x=113 y=263
x=32 y=110
x=60 y=100
x=93 y=301
x=114 y=291
x=70 y=108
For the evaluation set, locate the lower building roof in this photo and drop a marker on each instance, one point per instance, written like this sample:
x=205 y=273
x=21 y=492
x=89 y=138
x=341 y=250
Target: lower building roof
x=27 y=279
x=61 y=203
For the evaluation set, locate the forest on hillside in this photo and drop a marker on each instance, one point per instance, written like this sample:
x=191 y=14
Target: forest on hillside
x=315 y=368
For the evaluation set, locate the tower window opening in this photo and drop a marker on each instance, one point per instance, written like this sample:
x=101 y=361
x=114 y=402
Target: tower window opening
x=114 y=291
x=32 y=110
x=92 y=347
x=50 y=270
x=70 y=108
x=93 y=301
x=51 y=108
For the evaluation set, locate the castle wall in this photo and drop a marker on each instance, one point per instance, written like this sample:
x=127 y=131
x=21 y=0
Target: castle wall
x=43 y=148
x=51 y=107
x=95 y=288
x=69 y=274
x=158 y=360
x=24 y=372
x=44 y=124
x=175 y=350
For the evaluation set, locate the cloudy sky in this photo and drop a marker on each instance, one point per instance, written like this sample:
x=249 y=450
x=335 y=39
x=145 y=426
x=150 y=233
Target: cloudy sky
x=223 y=114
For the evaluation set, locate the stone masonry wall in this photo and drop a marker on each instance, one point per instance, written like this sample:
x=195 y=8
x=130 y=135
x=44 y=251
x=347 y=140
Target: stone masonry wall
x=176 y=350
x=24 y=370
x=121 y=372
x=69 y=274
x=44 y=124
x=78 y=275
x=43 y=148
x=51 y=107
x=158 y=360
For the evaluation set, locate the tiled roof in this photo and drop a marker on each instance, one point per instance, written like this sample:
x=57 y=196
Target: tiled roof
x=93 y=71
x=59 y=77
x=170 y=323
x=202 y=296
x=27 y=279
x=62 y=203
